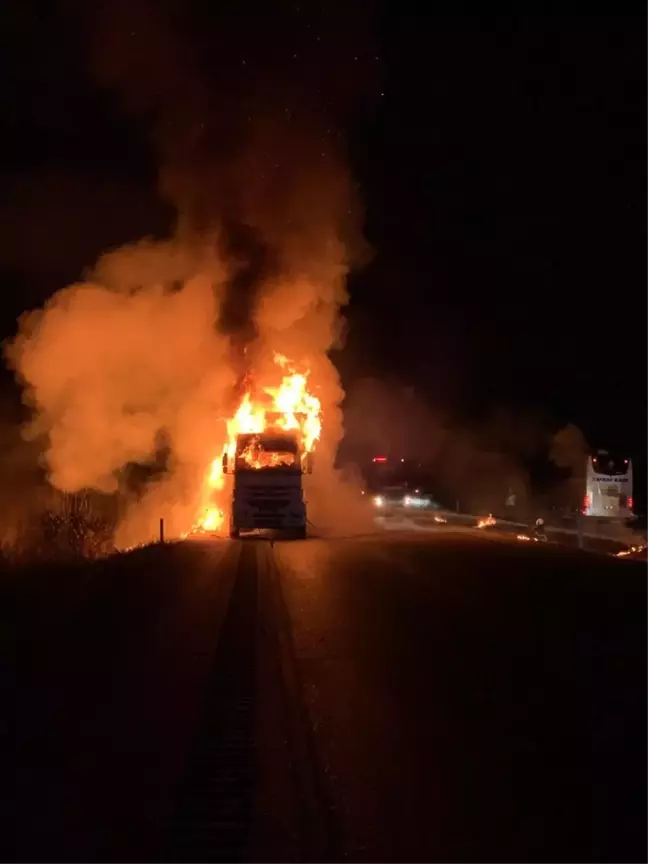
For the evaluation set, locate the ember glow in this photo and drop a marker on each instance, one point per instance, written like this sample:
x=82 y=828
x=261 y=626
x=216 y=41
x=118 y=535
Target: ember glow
x=288 y=406
x=487 y=522
x=633 y=550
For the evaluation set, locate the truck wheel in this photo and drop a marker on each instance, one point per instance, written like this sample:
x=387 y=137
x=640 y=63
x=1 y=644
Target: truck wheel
x=234 y=533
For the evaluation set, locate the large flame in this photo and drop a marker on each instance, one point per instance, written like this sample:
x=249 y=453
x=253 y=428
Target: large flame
x=289 y=406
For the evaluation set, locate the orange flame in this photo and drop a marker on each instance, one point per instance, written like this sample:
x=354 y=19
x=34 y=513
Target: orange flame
x=487 y=522
x=256 y=457
x=632 y=550
x=212 y=517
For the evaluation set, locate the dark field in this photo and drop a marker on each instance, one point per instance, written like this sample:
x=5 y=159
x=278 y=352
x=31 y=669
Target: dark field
x=449 y=698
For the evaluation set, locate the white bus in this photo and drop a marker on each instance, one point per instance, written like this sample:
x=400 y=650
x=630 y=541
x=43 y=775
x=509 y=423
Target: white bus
x=608 y=492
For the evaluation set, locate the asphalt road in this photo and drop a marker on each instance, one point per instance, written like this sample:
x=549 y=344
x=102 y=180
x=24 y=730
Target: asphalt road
x=446 y=697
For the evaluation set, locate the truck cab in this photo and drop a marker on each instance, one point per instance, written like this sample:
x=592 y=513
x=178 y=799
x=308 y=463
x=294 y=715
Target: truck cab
x=267 y=470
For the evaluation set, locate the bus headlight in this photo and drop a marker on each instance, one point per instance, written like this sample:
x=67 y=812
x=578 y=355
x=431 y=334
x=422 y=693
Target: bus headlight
x=379 y=501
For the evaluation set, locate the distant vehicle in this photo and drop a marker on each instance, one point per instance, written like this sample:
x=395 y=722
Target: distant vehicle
x=608 y=492
x=402 y=496
x=390 y=496
x=418 y=498
x=268 y=491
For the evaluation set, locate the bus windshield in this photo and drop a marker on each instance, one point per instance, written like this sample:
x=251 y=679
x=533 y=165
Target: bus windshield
x=610 y=464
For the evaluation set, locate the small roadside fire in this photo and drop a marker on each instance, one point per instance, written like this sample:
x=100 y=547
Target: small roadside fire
x=487 y=522
x=289 y=406
x=633 y=551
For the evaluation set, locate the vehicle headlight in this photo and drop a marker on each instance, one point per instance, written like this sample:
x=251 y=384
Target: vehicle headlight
x=407 y=500
x=379 y=501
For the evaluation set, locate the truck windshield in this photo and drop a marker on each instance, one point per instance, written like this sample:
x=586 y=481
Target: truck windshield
x=255 y=452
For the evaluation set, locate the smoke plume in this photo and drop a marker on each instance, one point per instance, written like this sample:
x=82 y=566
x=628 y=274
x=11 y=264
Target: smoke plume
x=155 y=341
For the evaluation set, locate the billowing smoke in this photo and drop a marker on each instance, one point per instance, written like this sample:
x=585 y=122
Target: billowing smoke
x=569 y=451
x=112 y=363
x=149 y=351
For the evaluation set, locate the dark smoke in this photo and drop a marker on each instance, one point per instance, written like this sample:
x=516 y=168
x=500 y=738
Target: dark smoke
x=248 y=113
x=253 y=264
x=161 y=335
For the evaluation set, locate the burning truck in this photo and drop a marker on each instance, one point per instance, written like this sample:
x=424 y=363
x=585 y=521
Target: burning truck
x=267 y=470
x=271 y=441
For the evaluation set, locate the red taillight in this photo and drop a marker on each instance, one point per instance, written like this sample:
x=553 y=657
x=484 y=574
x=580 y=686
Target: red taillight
x=380 y=459
x=630 y=503
x=586 y=503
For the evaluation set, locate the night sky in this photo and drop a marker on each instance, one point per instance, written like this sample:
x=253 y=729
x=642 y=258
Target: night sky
x=501 y=163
